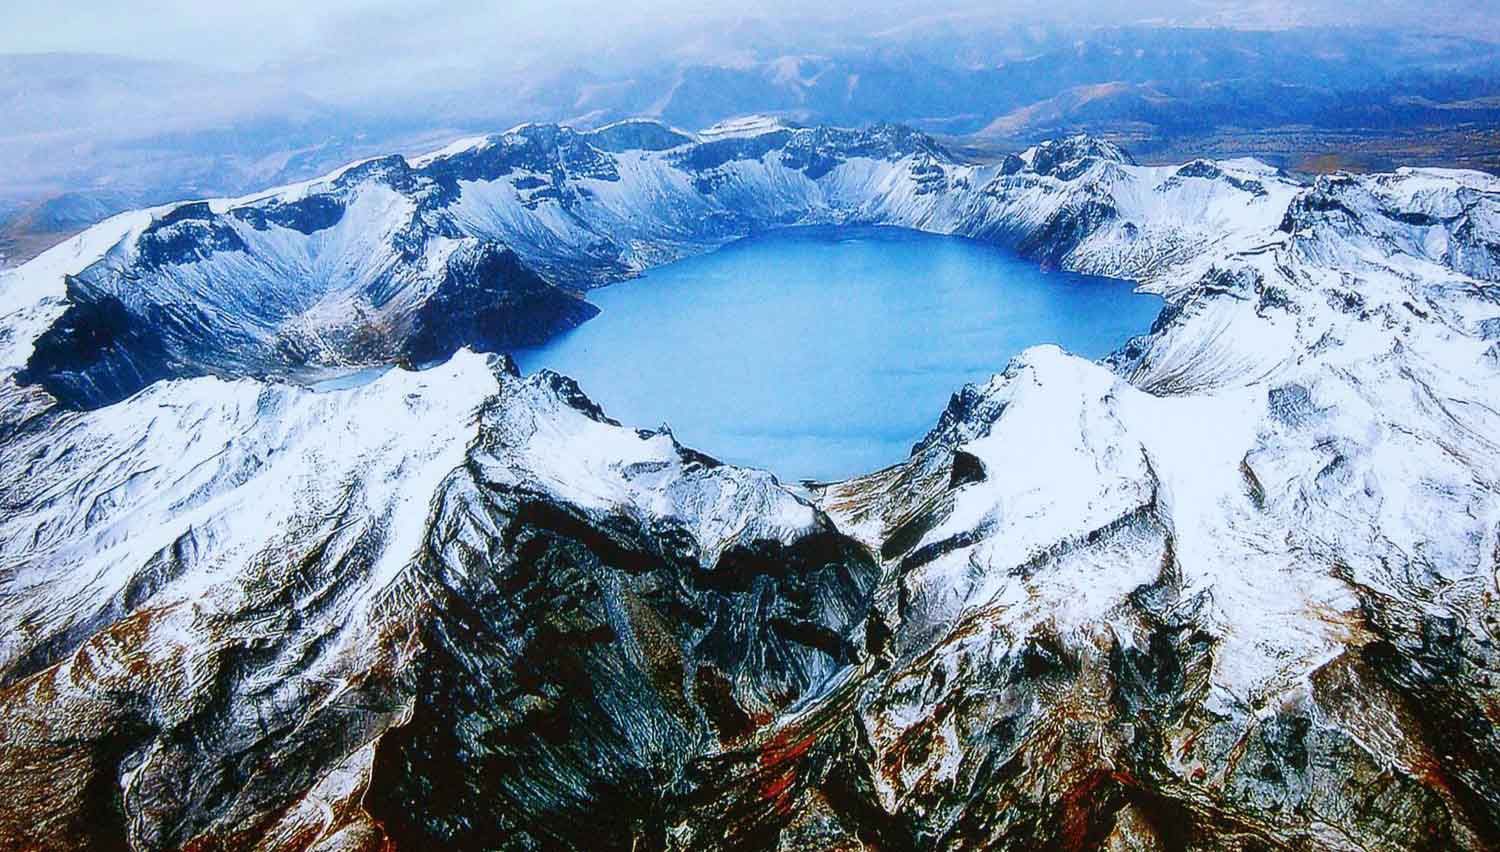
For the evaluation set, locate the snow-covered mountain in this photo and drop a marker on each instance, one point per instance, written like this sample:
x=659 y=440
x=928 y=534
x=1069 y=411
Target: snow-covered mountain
x=1234 y=588
x=482 y=244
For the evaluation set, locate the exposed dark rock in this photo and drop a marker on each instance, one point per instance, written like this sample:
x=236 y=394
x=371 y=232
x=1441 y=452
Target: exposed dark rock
x=489 y=301
x=967 y=468
x=306 y=215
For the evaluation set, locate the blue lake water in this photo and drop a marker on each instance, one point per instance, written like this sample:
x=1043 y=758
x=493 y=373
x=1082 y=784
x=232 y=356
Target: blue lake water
x=825 y=352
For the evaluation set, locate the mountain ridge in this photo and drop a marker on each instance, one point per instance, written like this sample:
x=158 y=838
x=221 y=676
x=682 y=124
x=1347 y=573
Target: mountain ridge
x=526 y=217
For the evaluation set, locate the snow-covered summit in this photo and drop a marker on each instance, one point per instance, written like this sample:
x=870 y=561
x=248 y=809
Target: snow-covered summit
x=749 y=125
x=1052 y=156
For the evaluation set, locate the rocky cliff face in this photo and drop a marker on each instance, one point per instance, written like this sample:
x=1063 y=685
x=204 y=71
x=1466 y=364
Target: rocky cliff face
x=1234 y=588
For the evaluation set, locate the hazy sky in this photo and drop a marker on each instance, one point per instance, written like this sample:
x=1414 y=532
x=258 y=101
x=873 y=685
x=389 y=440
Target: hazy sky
x=331 y=80
x=267 y=32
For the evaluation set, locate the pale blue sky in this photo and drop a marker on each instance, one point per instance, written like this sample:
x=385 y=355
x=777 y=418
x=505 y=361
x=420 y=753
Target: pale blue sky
x=246 y=35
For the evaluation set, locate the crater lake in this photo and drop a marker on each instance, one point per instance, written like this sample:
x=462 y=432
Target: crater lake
x=824 y=352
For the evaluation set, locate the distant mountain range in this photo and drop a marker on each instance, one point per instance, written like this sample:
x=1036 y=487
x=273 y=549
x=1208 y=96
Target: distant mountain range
x=137 y=133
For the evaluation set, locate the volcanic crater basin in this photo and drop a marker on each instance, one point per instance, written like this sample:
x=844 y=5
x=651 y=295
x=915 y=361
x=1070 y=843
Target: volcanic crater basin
x=1233 y=588
x=820 y=352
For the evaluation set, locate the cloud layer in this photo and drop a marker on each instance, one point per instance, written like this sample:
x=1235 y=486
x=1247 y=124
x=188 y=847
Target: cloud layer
x=522 y=32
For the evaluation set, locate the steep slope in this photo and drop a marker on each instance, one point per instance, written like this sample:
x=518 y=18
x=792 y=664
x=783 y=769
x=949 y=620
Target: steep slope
x=361 y=272
x=254 y=594
x=1234 y=588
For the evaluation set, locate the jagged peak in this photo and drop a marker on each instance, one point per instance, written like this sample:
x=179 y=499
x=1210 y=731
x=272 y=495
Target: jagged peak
x=1051 y=156
x=567 y=391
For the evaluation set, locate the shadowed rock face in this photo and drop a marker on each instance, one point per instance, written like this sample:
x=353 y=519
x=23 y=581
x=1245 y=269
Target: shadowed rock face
x=102 y=349
x=1232 y=589
x=623 y=664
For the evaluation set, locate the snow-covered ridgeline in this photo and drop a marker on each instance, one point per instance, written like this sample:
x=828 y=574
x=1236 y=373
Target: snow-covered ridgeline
x=390 y=260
